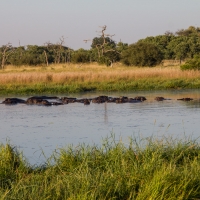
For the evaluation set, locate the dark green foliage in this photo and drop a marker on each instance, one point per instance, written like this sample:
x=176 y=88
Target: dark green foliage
x=31 y=55
x=58 y=53
x=98 y=41
x=142 y=54
x=191 y=31
x=104 y=51
x=161 y=41
x=122 y=47
x=179 y=48
x=109 y=58
x=192 y=64
x=34 y=55
x=81 y=56
x=182 y=45
x=17 y=58
x=37 y=55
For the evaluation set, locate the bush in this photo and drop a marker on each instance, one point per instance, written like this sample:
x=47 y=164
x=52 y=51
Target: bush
x=81 y=56
x=104 y=61
x=192 y=64
x=142 y=54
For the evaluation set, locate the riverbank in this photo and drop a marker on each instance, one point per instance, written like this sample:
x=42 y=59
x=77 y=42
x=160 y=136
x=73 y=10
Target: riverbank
x=73 y=78
x=147 y=169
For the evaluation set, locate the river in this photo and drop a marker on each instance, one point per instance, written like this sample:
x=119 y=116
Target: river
x=40 y=130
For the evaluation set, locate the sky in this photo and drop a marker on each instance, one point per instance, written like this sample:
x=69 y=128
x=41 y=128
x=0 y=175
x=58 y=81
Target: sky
x=35 y=22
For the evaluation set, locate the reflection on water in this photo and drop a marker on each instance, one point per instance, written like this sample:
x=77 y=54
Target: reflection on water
x=193 y=104
x=34 y=129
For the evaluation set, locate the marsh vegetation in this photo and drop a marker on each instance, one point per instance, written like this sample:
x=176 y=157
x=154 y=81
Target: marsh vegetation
x=56 y=79
x=142 y=169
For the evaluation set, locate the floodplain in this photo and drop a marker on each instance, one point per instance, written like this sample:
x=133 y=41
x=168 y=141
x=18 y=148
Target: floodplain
x=71 y=78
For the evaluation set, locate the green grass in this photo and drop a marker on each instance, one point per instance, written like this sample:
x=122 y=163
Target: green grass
x=94 y=77
x=123 y=85
x=148 y=169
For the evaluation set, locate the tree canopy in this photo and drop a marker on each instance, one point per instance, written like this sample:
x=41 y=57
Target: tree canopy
x=142 y=54
x=182 y=45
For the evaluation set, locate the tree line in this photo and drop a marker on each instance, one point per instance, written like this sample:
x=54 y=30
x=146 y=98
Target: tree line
x=182 y=45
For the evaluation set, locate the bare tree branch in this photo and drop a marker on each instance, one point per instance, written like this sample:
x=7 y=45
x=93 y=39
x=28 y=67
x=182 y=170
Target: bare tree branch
x=86 y=40
x=57 y=48
x=7 y=50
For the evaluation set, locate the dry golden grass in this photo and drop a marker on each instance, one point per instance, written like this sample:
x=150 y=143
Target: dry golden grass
x=89 y=73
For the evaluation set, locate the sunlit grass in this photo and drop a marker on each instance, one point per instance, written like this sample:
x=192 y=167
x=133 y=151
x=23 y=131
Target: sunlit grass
x=95 y=77
x=145 y=169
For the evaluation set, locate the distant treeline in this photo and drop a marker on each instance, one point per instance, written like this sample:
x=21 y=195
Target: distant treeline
x=182 y=45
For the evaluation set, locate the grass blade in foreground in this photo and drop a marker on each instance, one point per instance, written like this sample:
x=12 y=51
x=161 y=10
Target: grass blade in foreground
x=150 y=169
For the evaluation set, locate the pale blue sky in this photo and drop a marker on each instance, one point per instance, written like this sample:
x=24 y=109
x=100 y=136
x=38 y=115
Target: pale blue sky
x=40 y=21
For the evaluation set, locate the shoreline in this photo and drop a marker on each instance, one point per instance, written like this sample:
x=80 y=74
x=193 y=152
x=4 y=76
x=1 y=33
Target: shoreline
x=57 y=79
x=77 y=87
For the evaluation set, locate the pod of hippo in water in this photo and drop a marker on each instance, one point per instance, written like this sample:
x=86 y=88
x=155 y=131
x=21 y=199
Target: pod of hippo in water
x=185 y=99
x=53 y=100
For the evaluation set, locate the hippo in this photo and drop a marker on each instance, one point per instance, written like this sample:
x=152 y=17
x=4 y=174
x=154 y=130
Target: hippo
x=66 y=100
x=111 y=100
x=185 y=99
x=86 y=102
x=11 y=101
x=42 y=100
x=159 y=98
x=32 y=100
x=118 y=100
x=122 y=100
x=140 y=98
x=37 y=101
x=133 y=100
x=100 y=99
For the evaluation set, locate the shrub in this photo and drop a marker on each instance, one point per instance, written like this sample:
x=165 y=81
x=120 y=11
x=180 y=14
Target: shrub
x=192 y=64
x=81 y=56
x=142 y=54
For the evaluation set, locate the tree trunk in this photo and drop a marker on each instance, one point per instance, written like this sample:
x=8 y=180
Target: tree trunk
x=45 y=54
x=3 y=61
x=111 y=63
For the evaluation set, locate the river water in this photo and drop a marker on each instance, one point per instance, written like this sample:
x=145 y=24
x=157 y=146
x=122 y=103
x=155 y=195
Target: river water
x=40 y=130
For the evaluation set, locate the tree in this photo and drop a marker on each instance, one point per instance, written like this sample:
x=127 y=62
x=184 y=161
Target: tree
x=17 y=57
x=142 y=54
x=5 y=51
x=181 y=51
x=189 y=31
x=192 y=64
x=59 y=52
x=161 y=41
x=183 y=47
x=106 y=51
x=194 y=46
x=81 y=56
x=169 y=33
x=34 y=55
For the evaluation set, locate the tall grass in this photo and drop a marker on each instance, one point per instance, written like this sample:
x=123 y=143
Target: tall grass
x=148 y=169
x=94 y=77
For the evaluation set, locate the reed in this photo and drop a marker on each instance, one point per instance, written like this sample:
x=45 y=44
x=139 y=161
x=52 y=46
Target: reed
x=145 y=169
x=95 y=77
